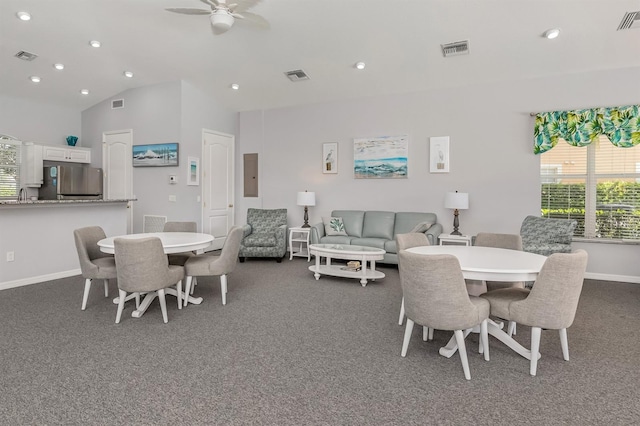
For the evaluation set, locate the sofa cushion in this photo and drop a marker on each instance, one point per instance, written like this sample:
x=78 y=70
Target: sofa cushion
x=260 y=239
x=422 y=227
x=406 y=221
x=336 y=239
x=369 y=242
x=352 y=219
x=378 y=225
x=333 y=226
x=390 y=246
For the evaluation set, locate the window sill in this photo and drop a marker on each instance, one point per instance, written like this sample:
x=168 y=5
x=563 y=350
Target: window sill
x=606 y=241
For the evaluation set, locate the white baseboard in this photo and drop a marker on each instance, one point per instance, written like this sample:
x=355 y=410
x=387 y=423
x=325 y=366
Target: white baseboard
x=39 y=279
x=610 y=277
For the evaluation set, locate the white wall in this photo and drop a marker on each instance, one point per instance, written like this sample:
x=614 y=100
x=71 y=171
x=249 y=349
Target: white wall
x=41 y=238
x=168 y=112
x=38 y=122
x=491 y=153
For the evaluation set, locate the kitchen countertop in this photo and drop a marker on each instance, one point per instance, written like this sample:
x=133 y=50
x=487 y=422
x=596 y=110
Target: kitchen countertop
x=30 y=203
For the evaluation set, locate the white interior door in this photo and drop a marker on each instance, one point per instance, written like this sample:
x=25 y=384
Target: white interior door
x=117 y=166
x=217 y=185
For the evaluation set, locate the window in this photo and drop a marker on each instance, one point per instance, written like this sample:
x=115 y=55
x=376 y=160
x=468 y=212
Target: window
x=598 y=185
x=9 y=168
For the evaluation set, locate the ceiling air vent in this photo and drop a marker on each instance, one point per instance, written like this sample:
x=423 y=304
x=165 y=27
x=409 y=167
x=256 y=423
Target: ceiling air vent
x=296 y=75
x=630 y=20
x=456 y=48
x=117 y=103
x=25 y=56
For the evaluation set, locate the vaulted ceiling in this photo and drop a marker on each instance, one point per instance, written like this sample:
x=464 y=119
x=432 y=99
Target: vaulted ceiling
x=399 y=40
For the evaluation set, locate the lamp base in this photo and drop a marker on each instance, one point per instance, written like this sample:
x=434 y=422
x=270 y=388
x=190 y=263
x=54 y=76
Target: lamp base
x=306 y=225
x=456 y=233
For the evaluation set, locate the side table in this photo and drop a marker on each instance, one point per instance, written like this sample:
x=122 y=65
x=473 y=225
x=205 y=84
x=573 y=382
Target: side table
x=446 y=239
x=299 y=242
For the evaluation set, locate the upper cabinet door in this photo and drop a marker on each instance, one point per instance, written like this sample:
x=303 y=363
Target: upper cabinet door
x=69 y=154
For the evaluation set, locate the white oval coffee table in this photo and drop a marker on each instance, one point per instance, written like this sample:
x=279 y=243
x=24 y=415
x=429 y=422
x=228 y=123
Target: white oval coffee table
x=346 y=252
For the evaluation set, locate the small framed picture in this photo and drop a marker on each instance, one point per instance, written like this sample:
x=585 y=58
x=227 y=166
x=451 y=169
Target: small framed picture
x=193 y=171
x=330 y=157
x=439 y=154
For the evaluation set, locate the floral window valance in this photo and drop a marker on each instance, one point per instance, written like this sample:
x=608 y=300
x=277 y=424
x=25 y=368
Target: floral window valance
x=581 y=127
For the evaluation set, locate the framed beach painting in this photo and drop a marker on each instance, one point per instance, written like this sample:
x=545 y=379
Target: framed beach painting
x=383 y=157
x=156 y=155
x=439 y=154
x=193 y=171
x=330 y=157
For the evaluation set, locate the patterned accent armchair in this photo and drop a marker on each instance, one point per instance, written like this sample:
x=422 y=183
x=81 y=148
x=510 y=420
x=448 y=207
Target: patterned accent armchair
x=547 y=236
x=265 y=234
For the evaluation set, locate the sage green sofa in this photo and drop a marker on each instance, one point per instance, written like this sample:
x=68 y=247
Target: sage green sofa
x=377 y=229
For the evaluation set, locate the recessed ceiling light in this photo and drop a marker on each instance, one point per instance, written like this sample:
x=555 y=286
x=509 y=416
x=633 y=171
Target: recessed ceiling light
x=94 y=43
x=58 y=66
x=128 y=74
x=552 y=33
x=360 y=65
x=84 y=92
x=23 y=16
x=35 y=79
x=235 y=86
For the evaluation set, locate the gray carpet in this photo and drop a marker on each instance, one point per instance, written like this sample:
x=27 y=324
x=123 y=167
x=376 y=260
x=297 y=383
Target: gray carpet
x=290 y=350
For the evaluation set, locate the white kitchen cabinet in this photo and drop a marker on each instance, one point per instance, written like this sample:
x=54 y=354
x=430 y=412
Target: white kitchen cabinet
x=66 y=153
x=31 y=165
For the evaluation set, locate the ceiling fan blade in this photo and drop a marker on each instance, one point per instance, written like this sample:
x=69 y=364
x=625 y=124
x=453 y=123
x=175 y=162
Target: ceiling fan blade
x=212 y=3
x=189 y=11
x=243 y=5
x=257 y=20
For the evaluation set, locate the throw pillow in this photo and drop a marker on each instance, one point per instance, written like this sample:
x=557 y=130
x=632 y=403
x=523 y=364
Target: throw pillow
x=422 y=227
x=333 y=226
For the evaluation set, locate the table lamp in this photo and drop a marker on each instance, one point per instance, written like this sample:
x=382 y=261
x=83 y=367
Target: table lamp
x=306 y=199
x=456 y=201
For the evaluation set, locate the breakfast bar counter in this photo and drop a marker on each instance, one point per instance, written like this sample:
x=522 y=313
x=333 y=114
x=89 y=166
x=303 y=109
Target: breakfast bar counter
x=38 y=203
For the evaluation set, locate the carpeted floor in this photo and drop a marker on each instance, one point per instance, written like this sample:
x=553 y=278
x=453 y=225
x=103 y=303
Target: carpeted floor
x=290 y=350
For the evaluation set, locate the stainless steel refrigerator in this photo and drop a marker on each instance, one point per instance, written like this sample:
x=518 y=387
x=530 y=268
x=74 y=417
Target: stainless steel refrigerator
x=72 y=182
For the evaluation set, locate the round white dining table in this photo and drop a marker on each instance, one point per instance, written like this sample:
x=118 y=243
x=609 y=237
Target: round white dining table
x=490 y=264
x=172 y=242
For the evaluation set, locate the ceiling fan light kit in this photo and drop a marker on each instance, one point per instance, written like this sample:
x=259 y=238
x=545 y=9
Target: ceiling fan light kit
x=223 y=15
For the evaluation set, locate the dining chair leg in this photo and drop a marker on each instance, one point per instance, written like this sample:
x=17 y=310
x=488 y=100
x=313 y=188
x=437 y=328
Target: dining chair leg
x=511 y=331
x=85 y=295
x=535 y=347
x=425 y=334
x=430 y=333
x=194 y=284
x=137 y=296
x=187 y=289
x=223 y=288
x=401 y=312
x=564 y=343
x=106 y=288
x=407 y=337
x=462 y=350
x=163 y=305
x=484 y=338
x=122 y=296
x=179 y=294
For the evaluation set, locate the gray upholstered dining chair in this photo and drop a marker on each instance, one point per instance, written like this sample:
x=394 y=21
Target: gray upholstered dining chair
x=403 y=242
x=223 y=265
x=551 y=304
x=505 y=241
x=180 y=258
x=435 y=296
x=143 y=268
x=94 y=264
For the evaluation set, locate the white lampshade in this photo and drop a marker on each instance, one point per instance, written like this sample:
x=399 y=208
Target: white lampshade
x=456 y=200
x=306 y=198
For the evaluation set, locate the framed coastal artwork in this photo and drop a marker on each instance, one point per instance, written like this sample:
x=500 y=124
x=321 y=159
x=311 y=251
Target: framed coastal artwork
x=439 y=154
x=193 y=171
x=156 y=155
x=383 y=157
x=330 y=157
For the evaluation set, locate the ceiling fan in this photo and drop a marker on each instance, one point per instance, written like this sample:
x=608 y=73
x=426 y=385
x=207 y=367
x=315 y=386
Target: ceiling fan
x=224 y=14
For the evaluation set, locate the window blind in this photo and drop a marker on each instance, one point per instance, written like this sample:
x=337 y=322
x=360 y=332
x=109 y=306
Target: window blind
x=9 y=168
x=598 y=185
